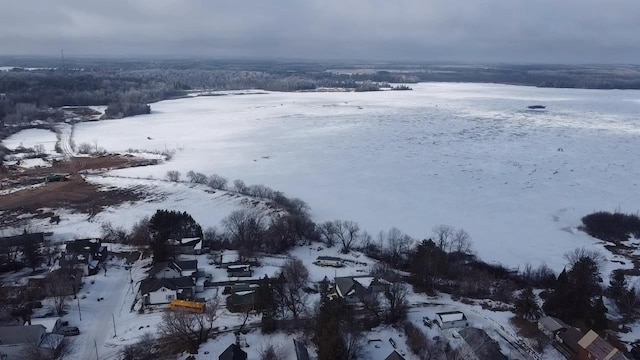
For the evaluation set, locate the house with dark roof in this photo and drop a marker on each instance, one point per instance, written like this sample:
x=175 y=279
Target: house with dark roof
x=15 y=340
x=187 y=246
x=84 y=254
x=592 y=347
x=174 y=269
x=355 y=288
x=233 y=352
x=479 y=344
x=550 y=326
x=568 y=341
x=155 y=291
x=394 y=356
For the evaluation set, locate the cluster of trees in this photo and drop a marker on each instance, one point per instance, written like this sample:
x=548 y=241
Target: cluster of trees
x=626 y=299
x=167 y=225
x=614 y=227
x=577 y=295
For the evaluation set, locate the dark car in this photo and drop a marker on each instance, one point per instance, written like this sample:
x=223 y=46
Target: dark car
x=69 y=331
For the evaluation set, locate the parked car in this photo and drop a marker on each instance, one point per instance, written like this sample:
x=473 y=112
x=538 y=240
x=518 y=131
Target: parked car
x=69 y=331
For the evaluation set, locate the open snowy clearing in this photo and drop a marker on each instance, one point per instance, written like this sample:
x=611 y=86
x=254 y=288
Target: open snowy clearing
x=30 y=138
x=467 y=155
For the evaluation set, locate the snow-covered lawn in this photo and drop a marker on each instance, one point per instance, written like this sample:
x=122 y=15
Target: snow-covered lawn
x=467 y=155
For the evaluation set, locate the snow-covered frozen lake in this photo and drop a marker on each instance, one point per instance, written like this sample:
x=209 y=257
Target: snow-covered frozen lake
x=467 y=155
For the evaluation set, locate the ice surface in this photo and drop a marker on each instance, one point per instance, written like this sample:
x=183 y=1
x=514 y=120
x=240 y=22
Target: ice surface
x=467 y=155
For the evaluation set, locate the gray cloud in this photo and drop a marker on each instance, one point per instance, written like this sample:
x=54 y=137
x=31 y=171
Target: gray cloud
x=582 y=31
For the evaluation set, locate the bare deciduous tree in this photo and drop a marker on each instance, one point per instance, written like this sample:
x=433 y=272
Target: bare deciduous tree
x=396 y=305
x=188 y=328
x=196 y=177
x=246 y=230
x=461 y=241
x=217 y=182
x=443 y=235
x=48 y=349
x=290 y=292
x=239 y=186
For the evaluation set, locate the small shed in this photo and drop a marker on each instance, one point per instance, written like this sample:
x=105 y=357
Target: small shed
x=451 y=320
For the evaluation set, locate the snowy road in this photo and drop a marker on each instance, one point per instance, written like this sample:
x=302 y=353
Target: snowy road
x=97 y=324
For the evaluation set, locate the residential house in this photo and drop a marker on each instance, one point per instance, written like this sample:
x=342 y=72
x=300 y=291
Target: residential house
x=568 y=341
x=155 y=291
x=93 y=247
x=394 y=356
x=84 y=254
x=187 y=246
x=593 y=347
x=355 y=288
x=550 y=326
x=233 y=352
x=240 y=301
x=174 y=269
x=15 y=340
x=478 y=345
x=301 y=350
x=451 y=320
x=328 y=261
x=51 y=325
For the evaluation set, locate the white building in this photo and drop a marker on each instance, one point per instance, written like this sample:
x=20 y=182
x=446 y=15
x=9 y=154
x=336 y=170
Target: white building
x=451 y=320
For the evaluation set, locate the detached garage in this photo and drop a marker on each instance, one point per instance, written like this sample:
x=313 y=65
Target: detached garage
x=451 y=320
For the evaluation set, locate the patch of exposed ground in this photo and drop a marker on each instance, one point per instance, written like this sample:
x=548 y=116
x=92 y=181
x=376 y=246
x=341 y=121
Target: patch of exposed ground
x=75 y=194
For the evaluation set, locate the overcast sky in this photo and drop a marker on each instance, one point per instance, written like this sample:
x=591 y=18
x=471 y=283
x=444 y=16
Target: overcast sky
x=557 y=31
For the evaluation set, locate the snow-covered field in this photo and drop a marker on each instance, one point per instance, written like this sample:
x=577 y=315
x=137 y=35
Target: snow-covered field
x=30 y=138
x=467 y=155
x=205 y=205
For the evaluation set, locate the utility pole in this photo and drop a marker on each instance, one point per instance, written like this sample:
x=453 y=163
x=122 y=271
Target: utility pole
x=96 y=345
x=79 y=312
x=114 y=325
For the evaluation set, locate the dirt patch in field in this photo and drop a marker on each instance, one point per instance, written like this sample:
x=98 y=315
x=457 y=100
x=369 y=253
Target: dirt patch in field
x=77 y=164
x=75 y=194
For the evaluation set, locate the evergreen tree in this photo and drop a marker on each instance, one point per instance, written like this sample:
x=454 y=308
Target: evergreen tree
x=598 y=316
x=526 y=305
x=617 y=285
x=167 y=225
x=331 y=346
x=265 y=301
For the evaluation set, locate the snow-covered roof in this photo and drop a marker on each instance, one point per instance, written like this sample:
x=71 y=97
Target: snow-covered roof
x=48 y=323
x=365 y=281
x=451 y=316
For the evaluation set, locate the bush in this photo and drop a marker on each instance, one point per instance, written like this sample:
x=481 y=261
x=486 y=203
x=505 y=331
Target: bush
x=417 y=341
x=217 y=182
x=85 y=148
x=173 y=176
x=614 y=227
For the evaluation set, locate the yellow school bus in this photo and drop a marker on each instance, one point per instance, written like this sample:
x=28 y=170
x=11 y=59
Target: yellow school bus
x=184 y=305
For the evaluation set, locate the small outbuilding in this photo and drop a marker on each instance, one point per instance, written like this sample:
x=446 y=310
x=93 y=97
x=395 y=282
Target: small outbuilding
x=451 y=320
